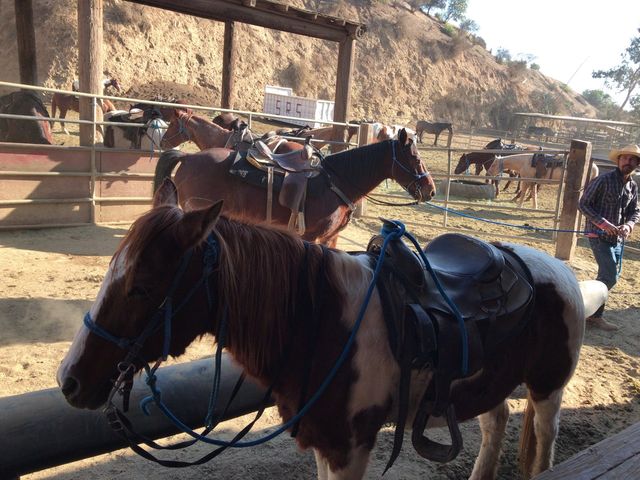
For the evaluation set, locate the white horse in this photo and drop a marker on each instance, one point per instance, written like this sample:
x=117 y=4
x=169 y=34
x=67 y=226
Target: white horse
x=523 y=164
x=382 y=132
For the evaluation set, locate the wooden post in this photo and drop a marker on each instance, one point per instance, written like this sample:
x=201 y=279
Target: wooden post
x=89 y=62
x=26 y=42
x=575 y=178
x=342 y=106
x=228 y=66
x=366 y=132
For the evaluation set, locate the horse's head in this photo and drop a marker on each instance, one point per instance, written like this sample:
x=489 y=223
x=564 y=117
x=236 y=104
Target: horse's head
x=408 y=170
x=177 y=133
x=115 y=84
x=228 y=121
x=463 y=164
x=135 y=304
x=494 y=145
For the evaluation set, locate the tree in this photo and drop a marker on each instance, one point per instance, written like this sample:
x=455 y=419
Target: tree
x=437 y=4
x=625 y=76
x=455 y=10
x=503 y=55
x=468 y=25
x=602 y=101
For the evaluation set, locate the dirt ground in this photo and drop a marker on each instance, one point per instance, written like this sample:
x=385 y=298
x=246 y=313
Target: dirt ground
x=49 y=277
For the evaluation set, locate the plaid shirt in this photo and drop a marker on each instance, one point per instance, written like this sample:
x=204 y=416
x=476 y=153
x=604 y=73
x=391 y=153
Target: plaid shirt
x=609 y=197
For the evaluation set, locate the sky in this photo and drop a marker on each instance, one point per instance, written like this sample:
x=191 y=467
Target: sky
x=568 y=38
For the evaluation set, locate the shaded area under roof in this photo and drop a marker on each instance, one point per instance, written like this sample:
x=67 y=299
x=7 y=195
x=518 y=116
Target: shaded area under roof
x=575 y=119
x=265 y=13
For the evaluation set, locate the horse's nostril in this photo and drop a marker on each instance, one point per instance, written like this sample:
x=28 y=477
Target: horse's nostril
x=69 y=386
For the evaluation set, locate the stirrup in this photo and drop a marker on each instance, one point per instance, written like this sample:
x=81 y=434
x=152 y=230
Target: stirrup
x=430 y=449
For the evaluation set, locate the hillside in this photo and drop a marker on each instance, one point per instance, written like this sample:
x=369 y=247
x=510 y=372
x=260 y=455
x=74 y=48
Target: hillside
x=406 y=68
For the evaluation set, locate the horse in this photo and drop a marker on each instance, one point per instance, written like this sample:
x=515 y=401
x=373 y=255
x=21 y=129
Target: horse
x=483 y=160
x=24 y=131
x=524 y=164
x=290 y=312
x=65 y=102
x=436 y=129
x=382 y=132
x=344 y=178
x=317 y=134
x=228 y=121
x=146 y=138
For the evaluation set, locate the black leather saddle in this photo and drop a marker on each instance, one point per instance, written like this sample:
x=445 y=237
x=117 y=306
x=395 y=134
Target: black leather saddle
x=492 y=291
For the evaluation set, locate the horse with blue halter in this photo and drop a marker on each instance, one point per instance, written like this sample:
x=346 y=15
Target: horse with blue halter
x=320 y=328
x=320 y=199
x=25 y=103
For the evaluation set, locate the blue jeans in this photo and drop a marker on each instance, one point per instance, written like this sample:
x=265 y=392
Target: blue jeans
x=607 y=256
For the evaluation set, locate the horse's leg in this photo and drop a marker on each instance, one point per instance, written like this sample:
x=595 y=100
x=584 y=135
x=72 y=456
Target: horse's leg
x=322 y=465
x=358 y=461
x=63 y=114
x=493 y=425
x=435 y=141
x=545 y=425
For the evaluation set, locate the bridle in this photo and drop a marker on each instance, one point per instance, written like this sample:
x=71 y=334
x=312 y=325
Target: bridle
x=417 y=175
x=183 y=131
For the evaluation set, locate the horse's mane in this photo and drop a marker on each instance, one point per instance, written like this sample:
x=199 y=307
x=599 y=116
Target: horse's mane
x=356 y=162
x=24 y=98
x=269 y=261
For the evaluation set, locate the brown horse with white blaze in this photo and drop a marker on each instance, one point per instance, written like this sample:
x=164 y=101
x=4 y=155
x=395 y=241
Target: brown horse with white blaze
x=257 y=283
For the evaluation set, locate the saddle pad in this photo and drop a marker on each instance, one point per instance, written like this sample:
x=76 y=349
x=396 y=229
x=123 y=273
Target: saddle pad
x=245 y=170
x=550 y=161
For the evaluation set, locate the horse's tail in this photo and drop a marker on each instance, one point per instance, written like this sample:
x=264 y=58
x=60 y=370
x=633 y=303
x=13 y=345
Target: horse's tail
x=527 y=440
x=166 y=163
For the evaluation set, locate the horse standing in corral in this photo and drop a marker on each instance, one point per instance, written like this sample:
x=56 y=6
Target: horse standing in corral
x=146 y=138
x=329 y=198
x=382 y=132
x=25 y=103
x=422 y=126
x=525 y=165
x=483 y=160
x=283 y=302
x=65 y=102
x=316 y=134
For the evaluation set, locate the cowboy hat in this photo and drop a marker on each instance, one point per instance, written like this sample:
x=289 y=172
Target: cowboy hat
x=628 y=150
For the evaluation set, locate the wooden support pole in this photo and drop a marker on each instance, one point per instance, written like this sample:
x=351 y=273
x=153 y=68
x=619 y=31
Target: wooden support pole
x=342 y=107
x=26 y=37
x=574 y=181
x=228 y=66
x=364 y=138
x=90 y=63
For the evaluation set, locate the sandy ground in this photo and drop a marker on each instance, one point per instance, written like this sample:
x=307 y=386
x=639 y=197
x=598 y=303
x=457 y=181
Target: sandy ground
x=49 y=277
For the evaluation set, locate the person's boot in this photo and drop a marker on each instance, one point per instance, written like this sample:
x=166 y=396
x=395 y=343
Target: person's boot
x=602 y=324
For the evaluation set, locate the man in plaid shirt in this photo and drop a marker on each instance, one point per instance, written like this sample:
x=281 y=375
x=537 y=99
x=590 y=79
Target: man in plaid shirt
x=610 y=205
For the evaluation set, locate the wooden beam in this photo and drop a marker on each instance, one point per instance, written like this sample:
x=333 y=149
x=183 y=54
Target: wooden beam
x=259 y=15
x=228 y=66
x=575 y=178
x=346 y=56
x=90 y=13
x=26 y=37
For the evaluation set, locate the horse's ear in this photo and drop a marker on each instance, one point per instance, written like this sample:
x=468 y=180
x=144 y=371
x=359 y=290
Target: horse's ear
x=167 y=194
x=402 y=136
x=196 y=226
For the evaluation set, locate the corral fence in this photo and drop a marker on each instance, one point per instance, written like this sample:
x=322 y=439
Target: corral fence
x=58 y=185
x=53 y=186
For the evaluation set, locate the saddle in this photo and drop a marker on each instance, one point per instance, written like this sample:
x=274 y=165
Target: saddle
x=295 y=168
x=543 y=162
x=491 y=290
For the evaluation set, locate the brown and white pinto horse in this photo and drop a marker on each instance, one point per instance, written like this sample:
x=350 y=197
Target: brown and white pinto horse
x=260 y=276
x=65 y=102
x=345 y=177
x=25 y=103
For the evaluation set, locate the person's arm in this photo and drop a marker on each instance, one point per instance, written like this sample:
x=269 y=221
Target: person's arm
x=587 y=204
x=632 y=215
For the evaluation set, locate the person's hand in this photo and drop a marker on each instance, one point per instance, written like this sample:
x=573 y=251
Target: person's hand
x=624 y=230
x=608 y=227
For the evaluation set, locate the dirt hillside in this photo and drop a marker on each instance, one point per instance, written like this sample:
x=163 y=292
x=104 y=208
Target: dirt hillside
x=406 y=67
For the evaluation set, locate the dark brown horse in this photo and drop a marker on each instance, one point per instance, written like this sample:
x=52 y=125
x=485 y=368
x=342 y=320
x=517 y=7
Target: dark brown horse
x=290 y=313
x=422 y=126
x=345 y=178
x=65 y=102
x=24 y=131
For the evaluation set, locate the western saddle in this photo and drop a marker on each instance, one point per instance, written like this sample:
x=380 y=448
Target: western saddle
x=492 y=291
